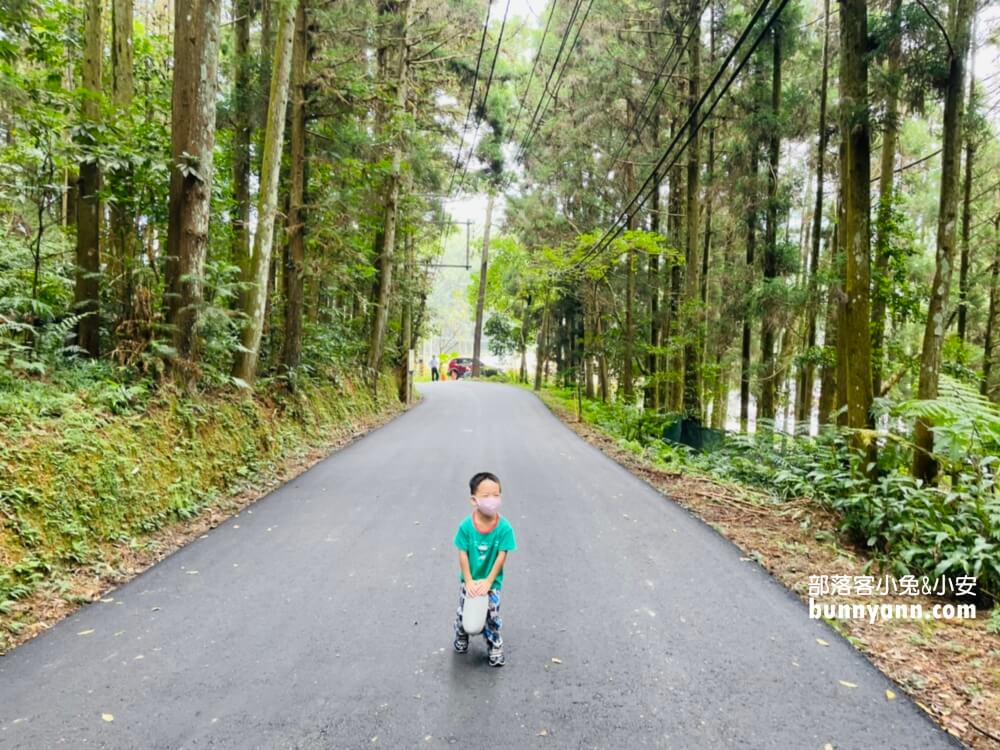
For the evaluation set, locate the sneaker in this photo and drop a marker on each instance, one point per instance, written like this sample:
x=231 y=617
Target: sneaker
x=461 y=643
x=496 y=657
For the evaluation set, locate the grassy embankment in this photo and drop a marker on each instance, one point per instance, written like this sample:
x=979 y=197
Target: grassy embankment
x=99 y=481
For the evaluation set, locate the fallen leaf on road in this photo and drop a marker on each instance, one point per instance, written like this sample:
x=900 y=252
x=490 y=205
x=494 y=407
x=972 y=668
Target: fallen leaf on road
x=86 y=632
x=556 y=660
x=845 y=683
x=543 y=733
x=821 y=642
x=827 y=746
x=192 y=572
x=889 y=695
x=107 y=717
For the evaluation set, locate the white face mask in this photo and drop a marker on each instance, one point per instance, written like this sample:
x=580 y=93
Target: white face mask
x=488 y=506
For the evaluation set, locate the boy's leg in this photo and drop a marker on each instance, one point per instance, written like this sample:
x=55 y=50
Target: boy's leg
x=492 y=630
x=461 y=637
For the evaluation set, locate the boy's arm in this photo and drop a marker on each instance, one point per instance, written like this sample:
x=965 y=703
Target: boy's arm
x=463 y=563
x=497 y=567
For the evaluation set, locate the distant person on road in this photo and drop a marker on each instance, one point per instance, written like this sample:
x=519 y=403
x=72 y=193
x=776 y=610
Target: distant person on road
x=435 y=375
x=483 y=539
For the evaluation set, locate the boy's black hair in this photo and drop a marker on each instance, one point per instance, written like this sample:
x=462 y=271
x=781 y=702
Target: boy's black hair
x=479 y=478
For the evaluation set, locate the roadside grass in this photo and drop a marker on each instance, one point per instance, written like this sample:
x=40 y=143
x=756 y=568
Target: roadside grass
x=98 y=480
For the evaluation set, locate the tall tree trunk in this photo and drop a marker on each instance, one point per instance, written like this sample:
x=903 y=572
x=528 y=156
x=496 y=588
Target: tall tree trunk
x=751 y=221
x=675 y=230
x=243 y=126
x=886 y=193
x=87 y=291
x=987 y=388
x=692 y=287
x=522 y=375
x=720 y=382
x=963 y=267
x=829 y=391
x=651 y=392
x=828 y=371
x=841 y=298
x=196 y=54
x=291 y=352
x=970 y=157
x=768 y=385
x=707 y=248
x=588 y=339
x=123 y=229
x=808 y=372
x=376 y=340
x=628 y=383
x=123 y=79
x=245 y=363
x=959 y=23
x=406 y=327
x=628 y=388
x=855 y=187
x=541 y=349
x=602 y=356
x=71 y=180
x=481 y=295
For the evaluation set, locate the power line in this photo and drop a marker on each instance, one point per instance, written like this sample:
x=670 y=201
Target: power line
x=555 y=92
x=693 y=33
x=552 y=71
x=536 y=120
x=617 y=227
x=486 y=95
x=534 y=64
x=472 y=95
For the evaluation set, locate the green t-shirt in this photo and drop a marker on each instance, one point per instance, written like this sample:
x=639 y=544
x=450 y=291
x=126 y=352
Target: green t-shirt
x=484 y=548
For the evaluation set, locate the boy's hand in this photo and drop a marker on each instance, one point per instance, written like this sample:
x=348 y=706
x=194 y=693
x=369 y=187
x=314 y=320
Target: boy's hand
x=477 y=588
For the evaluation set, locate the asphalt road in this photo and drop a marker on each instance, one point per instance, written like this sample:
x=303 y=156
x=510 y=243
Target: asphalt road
x=321 y=618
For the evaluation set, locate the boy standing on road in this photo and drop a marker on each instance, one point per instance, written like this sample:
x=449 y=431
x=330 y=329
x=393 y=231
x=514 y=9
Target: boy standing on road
x=483 y=539
x=434 y=367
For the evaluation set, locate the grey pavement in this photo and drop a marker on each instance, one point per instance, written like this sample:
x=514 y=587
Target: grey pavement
x=321 y=617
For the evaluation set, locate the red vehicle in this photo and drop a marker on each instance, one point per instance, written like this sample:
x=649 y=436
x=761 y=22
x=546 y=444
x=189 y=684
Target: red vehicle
x=461 y=367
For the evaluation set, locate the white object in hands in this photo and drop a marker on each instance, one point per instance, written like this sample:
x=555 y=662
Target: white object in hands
x=474 y=614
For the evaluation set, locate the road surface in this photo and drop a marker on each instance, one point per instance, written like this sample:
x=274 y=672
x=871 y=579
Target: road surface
x=321 y=618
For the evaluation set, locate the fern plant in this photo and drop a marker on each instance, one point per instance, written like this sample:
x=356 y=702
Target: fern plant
x=966 y=423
